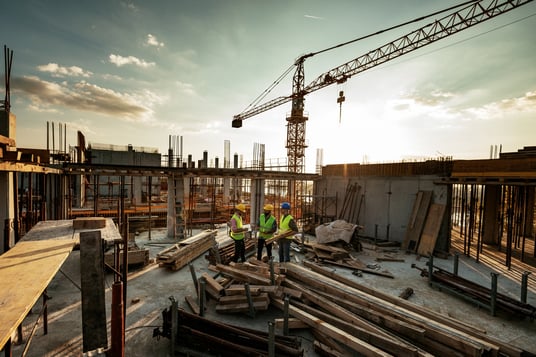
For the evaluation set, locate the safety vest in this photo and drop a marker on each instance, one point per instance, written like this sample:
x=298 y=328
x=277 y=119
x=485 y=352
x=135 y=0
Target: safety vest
x=237 y=236
x=284 y=224
x=266 y=225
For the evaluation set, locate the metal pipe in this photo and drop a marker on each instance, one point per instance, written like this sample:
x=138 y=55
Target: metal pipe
x=524 y=283
x=430 y=269
x=202 y=296
x=493 y=296
x=286 y=315
x=272 y=273
x=118 y=321
x=250 y=301
x=194 y=278
x=456 y=263
x=271 y=339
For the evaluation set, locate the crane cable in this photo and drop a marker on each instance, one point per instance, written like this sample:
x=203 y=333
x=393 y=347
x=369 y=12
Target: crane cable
x=388 y=29
x=269 y=89
x=261 y=96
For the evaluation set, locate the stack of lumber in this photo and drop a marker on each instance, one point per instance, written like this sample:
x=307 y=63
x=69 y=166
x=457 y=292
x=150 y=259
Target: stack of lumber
x=347 y=317
x=180 y=254
x=225 y=249
x=253 y=278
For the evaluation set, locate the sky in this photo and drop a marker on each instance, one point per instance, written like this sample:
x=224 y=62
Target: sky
x=137 y=72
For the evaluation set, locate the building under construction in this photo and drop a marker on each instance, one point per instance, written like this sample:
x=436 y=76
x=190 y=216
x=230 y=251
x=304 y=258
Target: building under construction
x=88 y=216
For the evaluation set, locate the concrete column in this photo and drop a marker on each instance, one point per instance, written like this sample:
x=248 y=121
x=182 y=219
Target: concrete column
x=257 y=199
x=491 y=210
x=7 y=211
x=175 y=206
x=136 y=189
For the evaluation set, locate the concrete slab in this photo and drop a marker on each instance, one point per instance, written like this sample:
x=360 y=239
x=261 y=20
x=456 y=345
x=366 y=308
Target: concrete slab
x=149 y=290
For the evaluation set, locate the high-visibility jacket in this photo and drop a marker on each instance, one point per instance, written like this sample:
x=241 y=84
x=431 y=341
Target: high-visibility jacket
x=284 y=225
x=266 y=225
x=241 y=235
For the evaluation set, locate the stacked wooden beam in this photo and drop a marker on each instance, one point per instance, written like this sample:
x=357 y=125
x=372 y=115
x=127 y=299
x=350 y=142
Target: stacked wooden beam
x=252 y=287
x=345 y=315
x=180 y=254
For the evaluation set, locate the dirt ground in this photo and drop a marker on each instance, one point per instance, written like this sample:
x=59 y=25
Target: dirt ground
x=150 y=289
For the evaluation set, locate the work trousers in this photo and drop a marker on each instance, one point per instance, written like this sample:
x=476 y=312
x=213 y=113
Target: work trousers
x=239 y=251
x=261 y=243
x=284 y=250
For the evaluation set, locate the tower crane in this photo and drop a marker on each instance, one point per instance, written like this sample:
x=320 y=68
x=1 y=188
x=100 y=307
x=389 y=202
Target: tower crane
x=471 y=14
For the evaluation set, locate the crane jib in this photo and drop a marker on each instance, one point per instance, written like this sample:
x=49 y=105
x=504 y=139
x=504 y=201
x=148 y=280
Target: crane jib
x=453 y=23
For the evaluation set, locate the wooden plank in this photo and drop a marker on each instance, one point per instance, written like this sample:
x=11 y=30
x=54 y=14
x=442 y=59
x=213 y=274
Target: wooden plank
x=213 y=284
x=239 y=299
x=89 y=223
x=29 y=266
x=431 y=229
x=242 y=307
x=293 y=323
x=192 y=303
x=416 y=220
x=341 y=336
x=435 y=330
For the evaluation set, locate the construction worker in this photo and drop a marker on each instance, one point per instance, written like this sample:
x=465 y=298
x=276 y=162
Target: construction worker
x=237 y=233
x=267 y=225
x=287 y=228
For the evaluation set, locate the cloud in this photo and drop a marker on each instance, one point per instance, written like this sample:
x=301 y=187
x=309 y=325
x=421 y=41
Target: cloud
x=60 y=71
x=525 y=104
x=121 y=61
x=47 y=96
x=152 y=41
x=313 y=17
x=186 y=88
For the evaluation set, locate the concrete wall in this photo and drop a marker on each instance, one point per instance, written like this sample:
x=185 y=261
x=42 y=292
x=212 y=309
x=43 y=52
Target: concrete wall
x=385 y=203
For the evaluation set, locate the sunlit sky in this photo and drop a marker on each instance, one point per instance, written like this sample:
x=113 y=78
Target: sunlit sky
x=136 y=72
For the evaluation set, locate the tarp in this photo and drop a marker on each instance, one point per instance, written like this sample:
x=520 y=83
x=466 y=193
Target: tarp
x=335 y=231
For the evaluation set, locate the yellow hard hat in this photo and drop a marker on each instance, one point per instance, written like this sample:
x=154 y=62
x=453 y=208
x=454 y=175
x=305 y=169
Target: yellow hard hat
x=241 y=207
x=268 y=207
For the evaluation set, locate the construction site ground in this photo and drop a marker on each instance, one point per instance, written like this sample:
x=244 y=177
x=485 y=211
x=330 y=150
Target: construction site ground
x=150 y=289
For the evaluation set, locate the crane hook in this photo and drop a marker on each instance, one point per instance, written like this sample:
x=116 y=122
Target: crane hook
x=341 y=99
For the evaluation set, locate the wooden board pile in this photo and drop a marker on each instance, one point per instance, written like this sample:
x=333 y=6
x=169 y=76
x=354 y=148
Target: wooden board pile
x=224 y=250
x=346 y=317
x=180 y=254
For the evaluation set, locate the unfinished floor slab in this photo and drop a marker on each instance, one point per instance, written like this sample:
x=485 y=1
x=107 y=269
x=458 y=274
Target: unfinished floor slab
x=150 y=289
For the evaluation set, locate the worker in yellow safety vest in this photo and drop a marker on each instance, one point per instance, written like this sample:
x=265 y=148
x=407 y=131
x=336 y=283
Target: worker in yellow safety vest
x=287 y=227
x=267 y=225
x=238 y=233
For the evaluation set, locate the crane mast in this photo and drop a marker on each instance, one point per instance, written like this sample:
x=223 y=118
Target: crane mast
x=455 y=22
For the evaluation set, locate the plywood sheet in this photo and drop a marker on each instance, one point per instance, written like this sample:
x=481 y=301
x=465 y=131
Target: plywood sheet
x=416 y=220
x=431 y=229
x=28 y=268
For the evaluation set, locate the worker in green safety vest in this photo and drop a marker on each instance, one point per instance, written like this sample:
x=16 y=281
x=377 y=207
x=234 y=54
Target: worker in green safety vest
x=266 y=225
x=287 y=228
x=238 y=233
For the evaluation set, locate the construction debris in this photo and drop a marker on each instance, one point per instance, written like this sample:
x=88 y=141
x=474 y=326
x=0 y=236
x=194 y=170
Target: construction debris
x=338 y=230
x=180 y=254
x=481 y=295
x=219 y=339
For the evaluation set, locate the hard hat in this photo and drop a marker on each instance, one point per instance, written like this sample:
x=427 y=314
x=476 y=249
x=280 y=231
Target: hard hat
x=268 y=207
x=285 y=205
x=241 y=207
